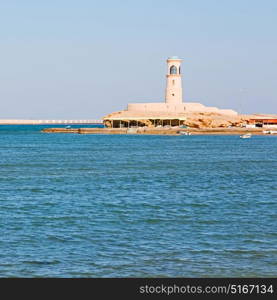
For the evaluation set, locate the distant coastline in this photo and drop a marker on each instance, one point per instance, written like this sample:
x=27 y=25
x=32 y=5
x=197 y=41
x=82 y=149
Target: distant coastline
x=45 y=122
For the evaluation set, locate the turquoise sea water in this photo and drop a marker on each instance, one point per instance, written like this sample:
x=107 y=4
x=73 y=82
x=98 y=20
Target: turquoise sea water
x=136 y=206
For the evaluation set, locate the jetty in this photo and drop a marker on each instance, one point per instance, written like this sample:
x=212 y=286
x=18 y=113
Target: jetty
x=158 y=131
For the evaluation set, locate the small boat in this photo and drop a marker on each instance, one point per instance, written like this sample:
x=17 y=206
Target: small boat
x=68 y=126
x=185 y=133
x=246 y=136
x=270 y=131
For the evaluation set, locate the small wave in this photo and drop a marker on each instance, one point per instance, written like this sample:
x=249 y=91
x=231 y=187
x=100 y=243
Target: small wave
x=39 y=262
x=153 y=221
x=57 y=239
x=6 y=265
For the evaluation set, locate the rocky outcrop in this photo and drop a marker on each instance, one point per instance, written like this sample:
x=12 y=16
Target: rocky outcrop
x=213 y=120
x=191 y=119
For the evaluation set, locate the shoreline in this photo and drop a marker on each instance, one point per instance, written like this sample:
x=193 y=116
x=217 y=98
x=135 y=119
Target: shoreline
x=159 y=131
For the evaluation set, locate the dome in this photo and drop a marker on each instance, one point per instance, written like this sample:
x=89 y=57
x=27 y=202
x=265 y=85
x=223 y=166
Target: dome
x=173 y=57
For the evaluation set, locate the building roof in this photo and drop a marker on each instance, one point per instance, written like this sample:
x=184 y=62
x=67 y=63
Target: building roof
x=264 y=120
x=140 y=115
x=144 y=118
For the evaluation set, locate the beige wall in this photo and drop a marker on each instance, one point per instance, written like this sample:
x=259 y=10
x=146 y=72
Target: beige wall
x=156 y=107
x=178 y=108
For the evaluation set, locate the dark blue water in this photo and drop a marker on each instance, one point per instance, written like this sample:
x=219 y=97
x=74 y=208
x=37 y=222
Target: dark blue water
x=123 y=206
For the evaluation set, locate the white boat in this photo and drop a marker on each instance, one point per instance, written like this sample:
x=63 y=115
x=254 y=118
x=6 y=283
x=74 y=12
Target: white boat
x=246 y=136
x=270 y=131
x=185 y=133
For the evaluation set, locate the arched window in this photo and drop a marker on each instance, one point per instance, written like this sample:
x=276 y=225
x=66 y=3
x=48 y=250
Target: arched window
x=173 y=70
x=180 y=70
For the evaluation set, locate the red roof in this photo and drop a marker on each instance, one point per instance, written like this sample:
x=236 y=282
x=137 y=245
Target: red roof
x=264 y=120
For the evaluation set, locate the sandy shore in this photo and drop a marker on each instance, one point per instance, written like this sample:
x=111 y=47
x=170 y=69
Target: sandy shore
x=158 y=131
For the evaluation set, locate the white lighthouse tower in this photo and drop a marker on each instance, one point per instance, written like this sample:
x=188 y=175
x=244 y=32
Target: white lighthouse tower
x=172 y=111
x=173 y=93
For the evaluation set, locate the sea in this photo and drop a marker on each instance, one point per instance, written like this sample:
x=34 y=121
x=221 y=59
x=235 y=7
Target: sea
x=136 y=205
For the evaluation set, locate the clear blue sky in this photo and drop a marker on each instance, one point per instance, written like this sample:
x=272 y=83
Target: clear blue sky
x=84 y=59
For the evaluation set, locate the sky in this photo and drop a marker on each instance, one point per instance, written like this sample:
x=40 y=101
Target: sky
x=65 y=59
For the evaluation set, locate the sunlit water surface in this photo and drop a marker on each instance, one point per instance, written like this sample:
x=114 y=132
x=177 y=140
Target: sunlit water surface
x=136 y=206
